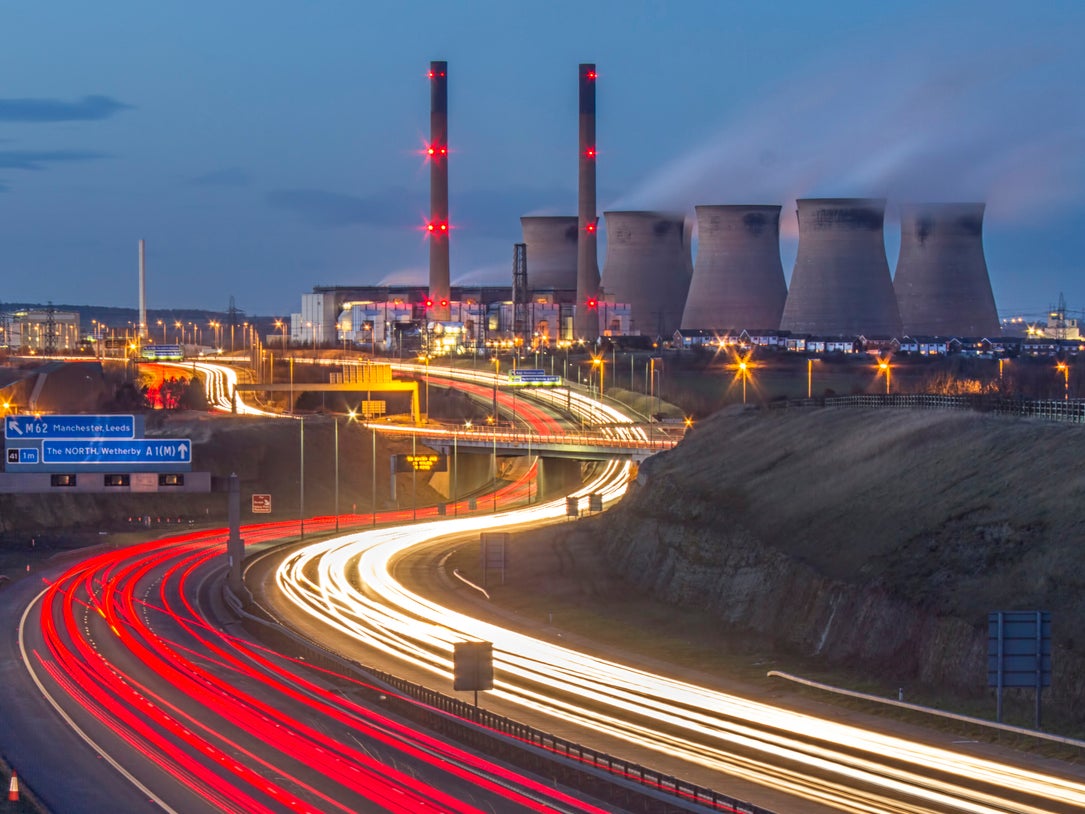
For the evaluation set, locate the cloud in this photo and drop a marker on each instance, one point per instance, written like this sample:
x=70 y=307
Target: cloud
x=89 y=108
x=970 y=126
x=40 y=159
x=229 y=177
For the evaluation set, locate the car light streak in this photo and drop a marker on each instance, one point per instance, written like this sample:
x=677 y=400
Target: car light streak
x=347 y=584
x=190 y=699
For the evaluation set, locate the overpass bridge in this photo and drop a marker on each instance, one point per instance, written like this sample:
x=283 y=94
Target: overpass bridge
x=633 y=441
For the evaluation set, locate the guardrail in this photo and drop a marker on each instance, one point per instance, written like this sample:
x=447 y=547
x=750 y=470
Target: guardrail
x=1050 y=410
x=565 y=761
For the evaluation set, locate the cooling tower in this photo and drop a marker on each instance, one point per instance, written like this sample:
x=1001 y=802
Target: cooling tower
x=585 y=320
x=551 y=252
x=941 y=281
x=738 y=279
x=648 y=266
x=841 y=285
x=438 y=226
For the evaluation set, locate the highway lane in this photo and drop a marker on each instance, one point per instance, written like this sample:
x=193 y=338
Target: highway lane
x=198 y=719
x=348 y=585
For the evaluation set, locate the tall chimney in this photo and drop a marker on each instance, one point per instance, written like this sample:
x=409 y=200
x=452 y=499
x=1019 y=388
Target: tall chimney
x=142 y=292
x=586 y=320
x=438 y=226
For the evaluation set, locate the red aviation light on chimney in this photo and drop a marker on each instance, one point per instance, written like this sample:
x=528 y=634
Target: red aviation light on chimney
x=429 y=303
x=437 y=226
x=590 y=74
x=444 y=303
x=590 y=152
x=592 y=303
x=590 y=227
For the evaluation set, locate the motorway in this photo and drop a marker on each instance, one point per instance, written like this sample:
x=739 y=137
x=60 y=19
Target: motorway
x=137 y=656
x=130 y=648
x=348 y=585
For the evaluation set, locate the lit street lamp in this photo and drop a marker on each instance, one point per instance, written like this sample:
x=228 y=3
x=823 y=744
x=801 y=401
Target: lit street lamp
x=1064 y=369
x=744 y=373
x=884 y=367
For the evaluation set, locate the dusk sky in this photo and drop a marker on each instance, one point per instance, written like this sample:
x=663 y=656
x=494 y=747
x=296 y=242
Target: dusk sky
x=262 y=148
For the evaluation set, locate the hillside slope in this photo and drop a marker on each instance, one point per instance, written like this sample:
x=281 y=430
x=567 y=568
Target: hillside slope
x=876 y=540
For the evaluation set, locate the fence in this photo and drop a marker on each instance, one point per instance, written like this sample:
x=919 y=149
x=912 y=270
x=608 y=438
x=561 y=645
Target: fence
x=1051 y=410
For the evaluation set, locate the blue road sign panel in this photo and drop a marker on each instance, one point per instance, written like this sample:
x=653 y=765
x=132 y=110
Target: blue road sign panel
x=108 y=451
x=1019 y=649
x=28 y=427
x=24 y=455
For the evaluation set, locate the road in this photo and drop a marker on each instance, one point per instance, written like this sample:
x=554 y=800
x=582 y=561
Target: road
x=199 y=718
x=348 y=585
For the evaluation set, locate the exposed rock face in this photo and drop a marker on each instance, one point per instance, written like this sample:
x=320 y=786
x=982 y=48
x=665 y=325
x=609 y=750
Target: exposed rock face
x=878 y=540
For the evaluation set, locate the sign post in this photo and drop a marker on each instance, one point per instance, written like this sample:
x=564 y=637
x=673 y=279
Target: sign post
x=1019 y=653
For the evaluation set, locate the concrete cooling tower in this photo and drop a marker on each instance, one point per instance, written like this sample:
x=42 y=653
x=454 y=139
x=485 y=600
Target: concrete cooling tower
x=648 y=265
x=551 y=252
x=841 y=285
x=941 y=281
x=738 y=279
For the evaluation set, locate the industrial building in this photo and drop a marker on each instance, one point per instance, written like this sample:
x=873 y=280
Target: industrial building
x=648 y=266
x=941 y=281
x=841 y=284
x=738 y=279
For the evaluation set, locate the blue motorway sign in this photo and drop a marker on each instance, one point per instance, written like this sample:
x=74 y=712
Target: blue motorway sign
x=109 y=451
x=24 y=455
x=30 y=427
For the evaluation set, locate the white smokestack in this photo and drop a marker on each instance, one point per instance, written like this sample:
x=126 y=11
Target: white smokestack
x=142 y=292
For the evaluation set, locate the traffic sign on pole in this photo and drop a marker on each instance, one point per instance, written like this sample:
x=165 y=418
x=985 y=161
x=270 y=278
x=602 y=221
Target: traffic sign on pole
x=29 y=427
x=108 y=451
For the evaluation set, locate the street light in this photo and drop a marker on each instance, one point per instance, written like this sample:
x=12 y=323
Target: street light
x=1064 y=369
x=282 y=326
x=162 y=325
x=352 y=415
x=601 y=364
x=425 y=358
x=743 y=372
x=883 y=366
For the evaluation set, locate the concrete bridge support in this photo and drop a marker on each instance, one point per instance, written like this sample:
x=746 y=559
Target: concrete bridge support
x=559 y=476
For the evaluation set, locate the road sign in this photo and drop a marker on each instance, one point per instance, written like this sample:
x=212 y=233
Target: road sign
x=107 y=451
x=25 y=427
x=261 y=504
x=23 y=455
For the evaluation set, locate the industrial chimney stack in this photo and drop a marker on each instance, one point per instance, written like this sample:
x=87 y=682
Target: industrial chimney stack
x=586 y=319
x=941 y=283
x=841 y=284
x=438 y=226
x=142 y=292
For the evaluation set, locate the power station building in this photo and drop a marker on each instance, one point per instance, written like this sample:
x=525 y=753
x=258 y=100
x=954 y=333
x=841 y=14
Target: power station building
x=738 y=279
x=648 y=266
x=841 y=284
x=941 y=282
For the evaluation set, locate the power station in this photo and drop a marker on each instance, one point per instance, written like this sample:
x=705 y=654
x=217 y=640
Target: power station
x=941 y=282
x=648 y=265
x=738 y=278
x=841 y=284
x=552 y=252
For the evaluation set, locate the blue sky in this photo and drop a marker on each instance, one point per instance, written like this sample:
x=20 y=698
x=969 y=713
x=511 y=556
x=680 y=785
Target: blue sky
x=262 y=148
